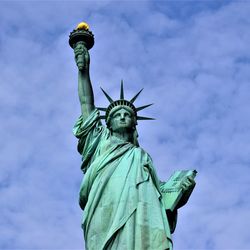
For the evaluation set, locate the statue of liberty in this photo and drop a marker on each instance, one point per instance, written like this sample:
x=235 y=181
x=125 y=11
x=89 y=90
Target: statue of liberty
x=121 y=195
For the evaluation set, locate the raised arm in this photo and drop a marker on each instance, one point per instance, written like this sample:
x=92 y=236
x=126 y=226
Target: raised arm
x=85 y=90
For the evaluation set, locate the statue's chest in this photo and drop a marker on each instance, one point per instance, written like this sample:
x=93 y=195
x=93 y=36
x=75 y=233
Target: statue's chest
x=110 y=145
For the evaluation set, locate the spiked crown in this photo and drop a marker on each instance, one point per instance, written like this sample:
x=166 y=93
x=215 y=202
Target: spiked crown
x=114 y=105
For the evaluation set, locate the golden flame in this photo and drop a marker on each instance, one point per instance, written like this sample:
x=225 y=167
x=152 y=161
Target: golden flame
x=82 y=26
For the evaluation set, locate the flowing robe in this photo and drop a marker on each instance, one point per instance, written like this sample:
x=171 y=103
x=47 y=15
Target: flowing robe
x=120 y=192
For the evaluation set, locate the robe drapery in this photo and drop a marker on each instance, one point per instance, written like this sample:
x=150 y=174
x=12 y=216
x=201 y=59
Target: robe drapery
x=120 y=192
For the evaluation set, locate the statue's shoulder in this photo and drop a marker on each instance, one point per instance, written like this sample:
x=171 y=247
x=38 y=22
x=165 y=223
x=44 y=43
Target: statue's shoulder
x=144 y=155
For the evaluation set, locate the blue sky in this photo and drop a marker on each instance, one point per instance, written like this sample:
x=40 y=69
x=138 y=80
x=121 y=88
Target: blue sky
x=193 y=60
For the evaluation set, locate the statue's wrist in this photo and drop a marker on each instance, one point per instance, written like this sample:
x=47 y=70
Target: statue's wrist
x=84 y=71
x=83 y=68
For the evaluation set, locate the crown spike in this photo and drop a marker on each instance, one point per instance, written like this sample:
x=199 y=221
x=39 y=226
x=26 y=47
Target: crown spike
x=134 y=98
x=107 y=96
x=102 y=109
x=143 y=107
x=144 y=118
x=122 y=91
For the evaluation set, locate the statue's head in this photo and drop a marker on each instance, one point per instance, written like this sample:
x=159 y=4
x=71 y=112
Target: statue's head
x=122 y=119
x=121 y=115
x=123 y=109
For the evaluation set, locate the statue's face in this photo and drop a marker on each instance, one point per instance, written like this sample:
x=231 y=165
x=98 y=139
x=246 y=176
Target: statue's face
x=122 y=120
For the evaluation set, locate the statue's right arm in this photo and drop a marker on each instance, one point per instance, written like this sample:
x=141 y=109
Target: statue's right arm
x=85 y=90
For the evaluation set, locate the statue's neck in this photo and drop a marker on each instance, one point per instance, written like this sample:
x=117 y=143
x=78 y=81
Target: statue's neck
x=124 y=135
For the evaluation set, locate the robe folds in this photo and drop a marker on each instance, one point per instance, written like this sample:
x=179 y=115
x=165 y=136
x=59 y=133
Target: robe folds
x=120 y=192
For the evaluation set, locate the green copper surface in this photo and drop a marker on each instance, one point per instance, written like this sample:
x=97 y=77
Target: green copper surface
x=124 y=204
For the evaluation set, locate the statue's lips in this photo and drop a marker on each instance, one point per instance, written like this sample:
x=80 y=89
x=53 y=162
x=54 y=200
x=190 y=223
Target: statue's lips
x=123 y=123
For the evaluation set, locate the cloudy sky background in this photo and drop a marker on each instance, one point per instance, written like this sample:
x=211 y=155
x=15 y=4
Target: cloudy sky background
x=193 y=60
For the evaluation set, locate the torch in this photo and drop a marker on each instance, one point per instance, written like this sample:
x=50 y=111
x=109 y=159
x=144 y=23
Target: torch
x=81 y=37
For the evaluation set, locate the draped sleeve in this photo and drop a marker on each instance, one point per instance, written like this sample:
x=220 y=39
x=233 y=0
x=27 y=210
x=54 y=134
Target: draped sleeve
x=89 y=133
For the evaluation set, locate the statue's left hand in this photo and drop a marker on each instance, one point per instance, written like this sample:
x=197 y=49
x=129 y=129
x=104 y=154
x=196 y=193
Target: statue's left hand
x=187 y=186
x=188 y=183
